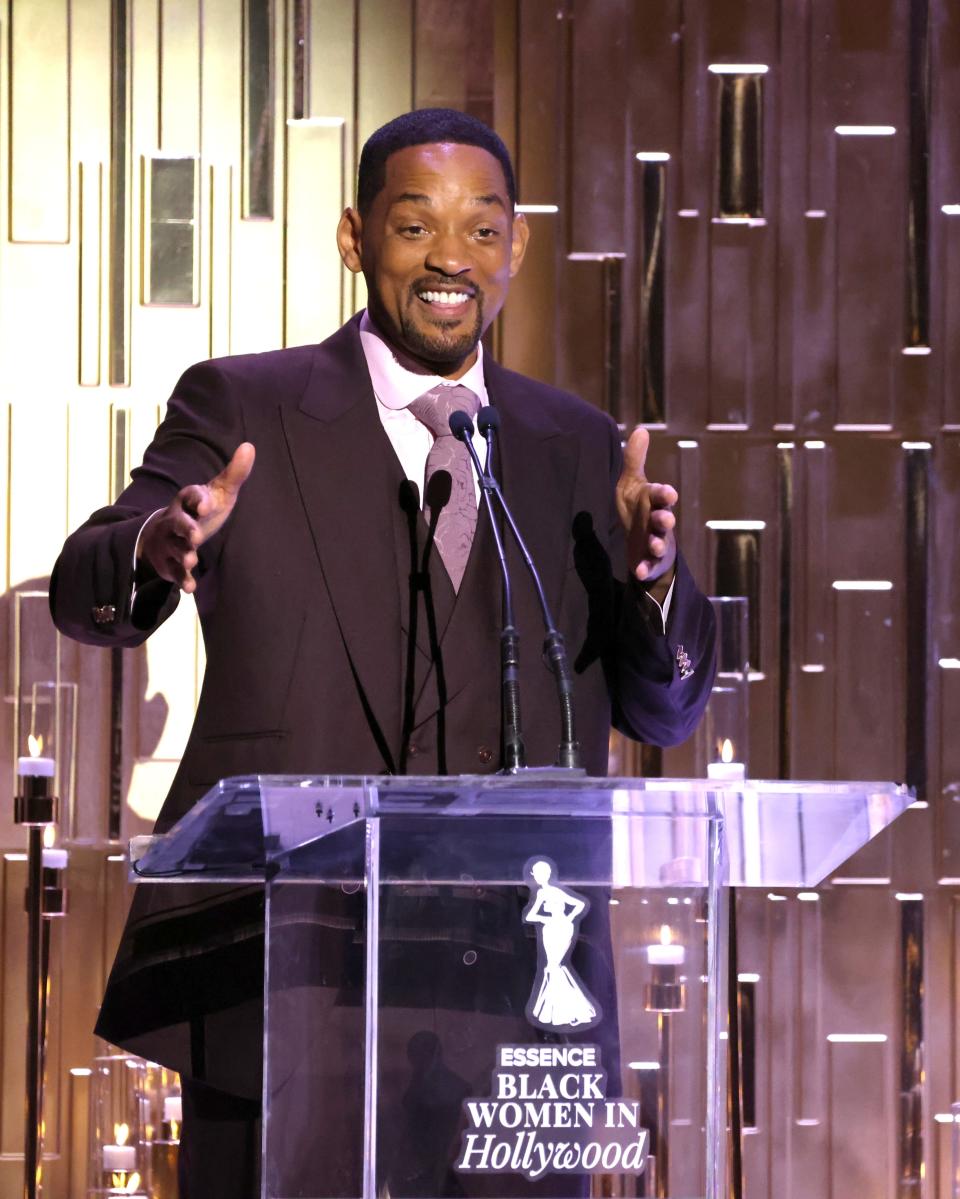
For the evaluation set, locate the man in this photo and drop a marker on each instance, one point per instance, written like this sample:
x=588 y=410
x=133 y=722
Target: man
x=345 y=634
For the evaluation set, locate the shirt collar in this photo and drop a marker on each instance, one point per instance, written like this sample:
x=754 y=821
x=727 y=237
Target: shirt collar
x=396 y=387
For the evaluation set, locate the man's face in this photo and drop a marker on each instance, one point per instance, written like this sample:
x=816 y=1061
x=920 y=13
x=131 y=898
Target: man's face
x=437 y=249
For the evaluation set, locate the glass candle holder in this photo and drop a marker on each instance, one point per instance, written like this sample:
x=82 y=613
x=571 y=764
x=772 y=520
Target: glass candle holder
x=117 y=1165
x=161 y=1107
x=724 y=733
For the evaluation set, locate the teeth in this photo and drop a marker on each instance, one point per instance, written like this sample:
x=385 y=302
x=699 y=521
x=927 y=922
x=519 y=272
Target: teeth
x=444 y=297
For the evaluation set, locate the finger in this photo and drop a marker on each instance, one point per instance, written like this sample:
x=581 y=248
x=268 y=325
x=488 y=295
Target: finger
x=236 y=472
x=662 y=495
x=663 y=520
x=195 y=500
x=180 y=573
x=635 y=453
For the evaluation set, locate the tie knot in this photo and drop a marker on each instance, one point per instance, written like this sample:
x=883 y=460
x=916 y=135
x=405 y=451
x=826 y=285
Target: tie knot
x=435 y=407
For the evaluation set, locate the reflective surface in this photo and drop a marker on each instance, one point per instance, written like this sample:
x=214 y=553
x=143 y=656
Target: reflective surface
x=776 y=833
x=421 y=933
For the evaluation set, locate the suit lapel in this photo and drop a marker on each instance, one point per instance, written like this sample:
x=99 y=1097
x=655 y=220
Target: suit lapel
x=348 y=477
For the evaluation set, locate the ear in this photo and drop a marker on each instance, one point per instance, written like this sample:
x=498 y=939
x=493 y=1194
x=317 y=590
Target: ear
x=350 y=239
x=521 y=235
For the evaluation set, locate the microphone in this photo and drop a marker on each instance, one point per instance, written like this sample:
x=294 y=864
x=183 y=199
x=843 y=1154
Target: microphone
x=514 y=753
x=554 y=650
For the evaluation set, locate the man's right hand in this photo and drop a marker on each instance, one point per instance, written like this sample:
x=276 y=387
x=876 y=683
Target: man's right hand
x=171 y=538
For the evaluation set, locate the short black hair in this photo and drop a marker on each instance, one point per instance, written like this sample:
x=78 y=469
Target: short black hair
x=419 y=128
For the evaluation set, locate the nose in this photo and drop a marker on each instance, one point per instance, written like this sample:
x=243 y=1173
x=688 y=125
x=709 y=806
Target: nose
x=449 y=255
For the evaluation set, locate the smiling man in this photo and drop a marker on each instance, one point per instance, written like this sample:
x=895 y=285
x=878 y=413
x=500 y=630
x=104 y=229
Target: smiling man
x=283 y=490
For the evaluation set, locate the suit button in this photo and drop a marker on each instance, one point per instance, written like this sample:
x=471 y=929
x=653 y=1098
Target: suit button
x=104 y=614
x=485 y=754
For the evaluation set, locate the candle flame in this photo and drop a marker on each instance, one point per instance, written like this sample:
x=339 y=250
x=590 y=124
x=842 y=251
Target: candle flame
x=133 y=1183
x=121 y=1134
x=35 y=745
x=49 y=836
x=666 y=935
x=726 y=750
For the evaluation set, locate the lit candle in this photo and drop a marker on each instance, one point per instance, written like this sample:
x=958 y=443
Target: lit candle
x=666 y=952
x=39 y=768
x=172 y=1109
x=54 y=857
x=120 y=1158
x=726 y=770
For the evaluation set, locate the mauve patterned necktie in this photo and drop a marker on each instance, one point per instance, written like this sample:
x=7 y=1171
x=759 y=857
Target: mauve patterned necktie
x=458 y=519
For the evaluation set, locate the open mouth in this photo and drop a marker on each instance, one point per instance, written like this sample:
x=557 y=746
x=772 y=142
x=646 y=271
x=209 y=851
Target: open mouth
x=445 y=303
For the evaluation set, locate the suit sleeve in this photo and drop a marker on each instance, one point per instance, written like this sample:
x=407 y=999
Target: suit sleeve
x=659 y=681
x=92 y=582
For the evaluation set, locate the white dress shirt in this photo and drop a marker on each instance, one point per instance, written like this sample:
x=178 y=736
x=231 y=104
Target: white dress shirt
x=396 y=388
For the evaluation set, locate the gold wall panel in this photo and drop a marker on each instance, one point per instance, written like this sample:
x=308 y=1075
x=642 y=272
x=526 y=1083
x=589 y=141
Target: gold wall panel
x=178 y=89
x=39 y=121
x=170 y=230
x=90 y=250
x=316 y=196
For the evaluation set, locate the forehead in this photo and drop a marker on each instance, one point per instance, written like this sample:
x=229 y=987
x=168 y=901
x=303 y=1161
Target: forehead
x=444 y=170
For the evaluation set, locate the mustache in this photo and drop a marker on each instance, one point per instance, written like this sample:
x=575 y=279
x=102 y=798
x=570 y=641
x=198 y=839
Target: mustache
x=431 y=282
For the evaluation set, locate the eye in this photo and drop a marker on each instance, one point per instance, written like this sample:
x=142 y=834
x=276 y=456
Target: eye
x=413 y=230
x=485 y=233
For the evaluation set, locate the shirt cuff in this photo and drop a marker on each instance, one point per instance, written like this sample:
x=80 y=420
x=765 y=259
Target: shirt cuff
x=136 y=548
x=664 y=608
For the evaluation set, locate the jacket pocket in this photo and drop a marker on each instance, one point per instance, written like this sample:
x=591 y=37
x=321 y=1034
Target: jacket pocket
x=226 y=755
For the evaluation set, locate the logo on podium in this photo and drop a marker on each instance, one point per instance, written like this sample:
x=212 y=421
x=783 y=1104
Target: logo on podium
x=559 y=999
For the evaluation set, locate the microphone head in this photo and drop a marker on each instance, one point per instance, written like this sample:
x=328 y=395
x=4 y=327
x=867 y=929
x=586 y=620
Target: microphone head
x=461 y=425
x=488 y=418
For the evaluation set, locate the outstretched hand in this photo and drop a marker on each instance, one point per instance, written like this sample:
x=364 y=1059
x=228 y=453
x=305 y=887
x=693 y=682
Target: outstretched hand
x=170 y=540
x=645 y=510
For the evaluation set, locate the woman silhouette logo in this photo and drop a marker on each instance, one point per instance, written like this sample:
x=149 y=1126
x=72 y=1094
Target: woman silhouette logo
x=558 y=999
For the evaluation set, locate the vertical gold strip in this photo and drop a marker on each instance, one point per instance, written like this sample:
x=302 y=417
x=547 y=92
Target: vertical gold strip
x=13 y=878
x=653 y=188
x=221 y=251
x=740 y=146
x=119 y=272
x=91 y=272
x=179 y=84
x=384 y=77
x=331 y=70
x=912 y=1167
x=315 y=198
x=506 y=41
x=170 y=230
x=384 y=63
x=259 y=106
x=78 y=1132
x=39 y=183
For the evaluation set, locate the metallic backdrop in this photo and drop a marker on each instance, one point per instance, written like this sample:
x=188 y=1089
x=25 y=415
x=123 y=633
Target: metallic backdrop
x=746 y=234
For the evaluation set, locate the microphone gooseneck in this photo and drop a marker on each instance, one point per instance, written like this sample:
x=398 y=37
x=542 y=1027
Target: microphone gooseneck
x=554 y=649
x=514 y=753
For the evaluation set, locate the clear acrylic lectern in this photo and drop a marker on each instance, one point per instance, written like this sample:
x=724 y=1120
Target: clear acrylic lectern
x=502 y=986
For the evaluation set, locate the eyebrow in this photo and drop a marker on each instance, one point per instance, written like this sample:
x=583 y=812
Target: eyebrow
x=477 y=201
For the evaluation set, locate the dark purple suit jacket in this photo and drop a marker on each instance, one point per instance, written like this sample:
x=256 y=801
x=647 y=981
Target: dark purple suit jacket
x=300 y=595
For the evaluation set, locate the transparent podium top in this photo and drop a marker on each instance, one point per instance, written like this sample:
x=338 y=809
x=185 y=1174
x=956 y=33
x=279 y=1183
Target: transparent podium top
x=660 y=831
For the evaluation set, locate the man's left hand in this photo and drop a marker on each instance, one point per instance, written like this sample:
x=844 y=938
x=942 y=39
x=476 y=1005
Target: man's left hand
x=645 y=509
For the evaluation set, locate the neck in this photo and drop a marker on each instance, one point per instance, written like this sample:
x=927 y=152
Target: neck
x=422 y=366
